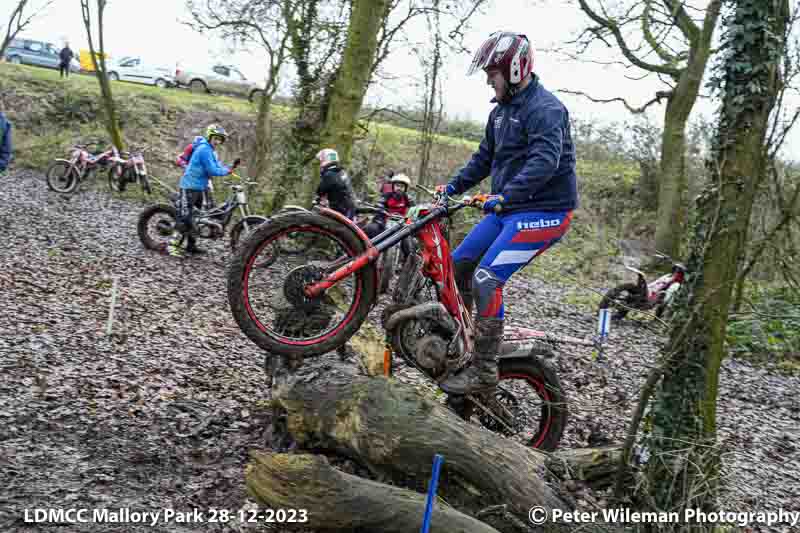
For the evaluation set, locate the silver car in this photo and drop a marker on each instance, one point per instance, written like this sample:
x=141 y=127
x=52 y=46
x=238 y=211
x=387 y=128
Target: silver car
x=133 y=69
x=225 y=79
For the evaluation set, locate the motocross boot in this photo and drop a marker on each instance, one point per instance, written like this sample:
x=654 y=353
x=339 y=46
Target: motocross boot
x=482 y=375
x=174 y=245
x=192 y=248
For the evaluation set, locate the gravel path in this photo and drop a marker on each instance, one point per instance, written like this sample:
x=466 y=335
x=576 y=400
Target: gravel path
x=162 y=413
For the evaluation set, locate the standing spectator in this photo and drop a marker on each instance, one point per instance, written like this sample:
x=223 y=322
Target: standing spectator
x=66 y=56
x=5 y=142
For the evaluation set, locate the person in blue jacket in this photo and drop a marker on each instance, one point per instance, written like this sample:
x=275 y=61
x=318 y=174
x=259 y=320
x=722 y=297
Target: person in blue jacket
x=5 y=142
x=528 y=150
x=202 y=166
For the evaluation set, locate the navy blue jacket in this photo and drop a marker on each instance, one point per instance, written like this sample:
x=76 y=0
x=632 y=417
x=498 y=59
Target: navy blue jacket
x=5 y=142
x=528 y=150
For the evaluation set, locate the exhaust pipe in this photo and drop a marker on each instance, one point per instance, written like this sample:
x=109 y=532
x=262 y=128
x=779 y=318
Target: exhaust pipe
x=431 y=310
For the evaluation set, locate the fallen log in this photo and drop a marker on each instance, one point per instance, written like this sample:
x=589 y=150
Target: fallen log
x=394 y=431
x=337 y=501
x=596 y=467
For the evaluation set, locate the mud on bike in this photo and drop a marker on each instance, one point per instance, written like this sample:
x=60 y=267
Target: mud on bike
x=157 y=223
x=307 y=306
x=386 y=264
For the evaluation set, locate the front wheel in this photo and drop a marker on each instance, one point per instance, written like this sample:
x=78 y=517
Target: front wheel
x=117 y=180
x=156 y=226
x=529 y=403
x=238 y=232
x=266 y=286
x=62 y=177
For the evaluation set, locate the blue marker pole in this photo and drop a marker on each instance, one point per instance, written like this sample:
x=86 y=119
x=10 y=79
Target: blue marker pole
x=437 y=465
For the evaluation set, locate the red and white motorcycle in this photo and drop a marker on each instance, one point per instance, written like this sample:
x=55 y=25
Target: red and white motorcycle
x=643 y=296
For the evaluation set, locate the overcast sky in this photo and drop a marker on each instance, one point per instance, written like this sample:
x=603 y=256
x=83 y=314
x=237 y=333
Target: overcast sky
x=152 y=28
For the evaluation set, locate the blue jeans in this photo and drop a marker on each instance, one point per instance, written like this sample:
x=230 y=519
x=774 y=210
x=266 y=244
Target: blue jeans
x=502 y=244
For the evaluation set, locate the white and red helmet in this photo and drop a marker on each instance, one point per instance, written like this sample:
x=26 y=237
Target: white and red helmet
x=509 y=52
x=327 y=156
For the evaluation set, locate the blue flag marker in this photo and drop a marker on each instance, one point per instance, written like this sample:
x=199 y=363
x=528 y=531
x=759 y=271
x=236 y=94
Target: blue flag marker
x=603 y=323
x=437 y=465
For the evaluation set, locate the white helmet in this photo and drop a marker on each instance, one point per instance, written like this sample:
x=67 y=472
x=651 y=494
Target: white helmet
x=327 y=156
x=401 y=178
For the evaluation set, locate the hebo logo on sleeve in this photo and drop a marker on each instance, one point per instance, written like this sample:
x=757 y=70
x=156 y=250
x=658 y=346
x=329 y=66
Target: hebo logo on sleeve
x=539 y=224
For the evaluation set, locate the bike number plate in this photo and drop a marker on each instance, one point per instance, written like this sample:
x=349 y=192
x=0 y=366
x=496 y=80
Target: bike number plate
x=241 y=197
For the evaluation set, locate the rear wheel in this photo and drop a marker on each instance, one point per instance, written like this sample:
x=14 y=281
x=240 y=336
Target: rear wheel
x=265 y=286
x=529 y=404
x=62 y=177
x=156 y=226
x=621 y=299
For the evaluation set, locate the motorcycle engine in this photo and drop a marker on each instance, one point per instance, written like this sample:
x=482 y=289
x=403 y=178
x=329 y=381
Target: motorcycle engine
x=209 y=230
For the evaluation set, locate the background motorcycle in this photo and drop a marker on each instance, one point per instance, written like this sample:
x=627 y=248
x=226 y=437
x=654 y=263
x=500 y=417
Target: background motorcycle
x=644 y=295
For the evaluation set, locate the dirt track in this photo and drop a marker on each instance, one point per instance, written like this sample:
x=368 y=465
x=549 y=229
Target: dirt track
x=162 y=413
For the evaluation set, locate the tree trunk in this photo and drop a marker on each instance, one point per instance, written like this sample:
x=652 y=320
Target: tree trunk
x=352 y=79
x=112 y=122
x=262 y=143
x=394 y=432
x=671 y=218
x=684 y=462
x=337 y=501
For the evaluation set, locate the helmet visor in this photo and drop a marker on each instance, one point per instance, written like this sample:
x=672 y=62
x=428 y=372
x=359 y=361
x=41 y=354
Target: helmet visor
x=490 y=52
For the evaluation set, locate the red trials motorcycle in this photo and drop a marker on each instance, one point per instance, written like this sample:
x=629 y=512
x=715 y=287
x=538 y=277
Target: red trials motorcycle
x=642 y=296
x=311 y=305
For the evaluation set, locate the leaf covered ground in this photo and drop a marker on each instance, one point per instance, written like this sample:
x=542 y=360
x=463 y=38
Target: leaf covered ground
x=164 y=411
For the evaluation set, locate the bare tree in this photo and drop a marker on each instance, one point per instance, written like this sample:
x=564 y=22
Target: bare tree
x=673 y=44
x=683 y=465
x=18 y=21
x=112 y=120
x=247 y=22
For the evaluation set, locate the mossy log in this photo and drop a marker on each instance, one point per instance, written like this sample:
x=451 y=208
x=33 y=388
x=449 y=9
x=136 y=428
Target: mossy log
x=394 y=431
x=337 y=501
x=596 y=467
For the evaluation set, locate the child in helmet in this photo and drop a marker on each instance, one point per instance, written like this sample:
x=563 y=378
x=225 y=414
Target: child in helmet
x=394 y=201
x=202 y=166
x=334 y=184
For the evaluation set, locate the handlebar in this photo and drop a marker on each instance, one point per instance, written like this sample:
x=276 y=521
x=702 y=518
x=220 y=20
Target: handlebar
x=466 y=201
x=242 y=181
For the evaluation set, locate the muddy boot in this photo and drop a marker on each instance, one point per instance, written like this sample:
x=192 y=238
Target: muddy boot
x=482 y=374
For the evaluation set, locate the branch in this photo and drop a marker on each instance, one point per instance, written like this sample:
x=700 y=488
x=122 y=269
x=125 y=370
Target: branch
x=614 y=28
x=635 y=110
x=788 y=216
x=683 y=21
x=651 y=39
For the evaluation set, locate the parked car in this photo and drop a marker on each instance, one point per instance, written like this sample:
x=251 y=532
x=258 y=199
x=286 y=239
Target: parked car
x=38 y=53
x=218 y=79
x=134 y=69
